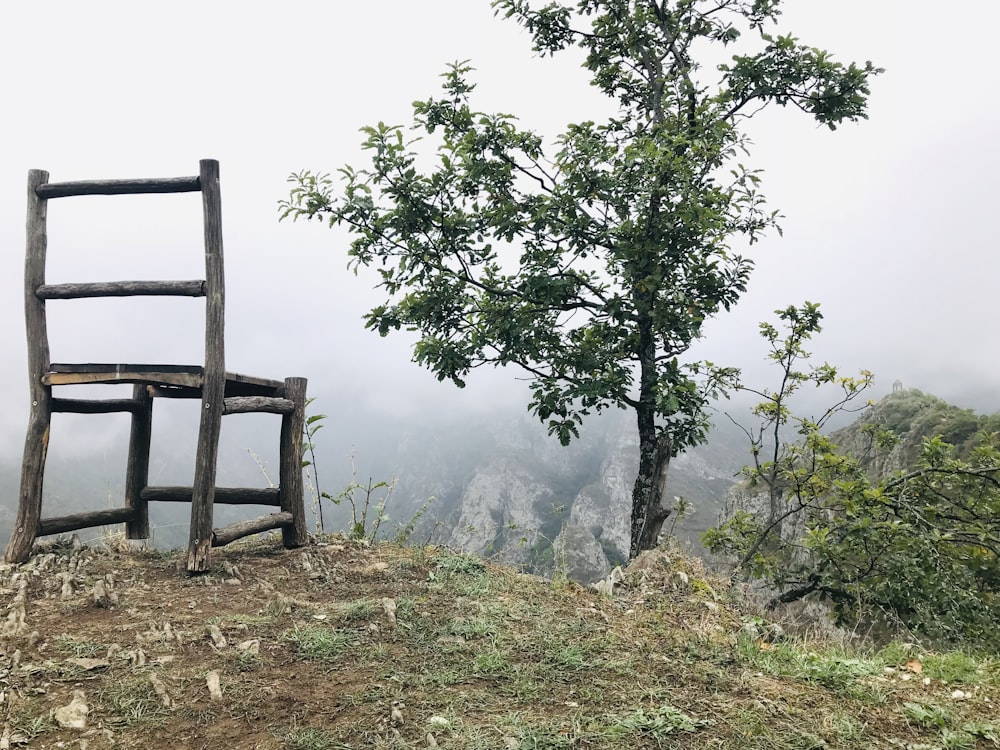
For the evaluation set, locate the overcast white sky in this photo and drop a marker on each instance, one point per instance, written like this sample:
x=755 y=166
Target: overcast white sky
x=891 y=224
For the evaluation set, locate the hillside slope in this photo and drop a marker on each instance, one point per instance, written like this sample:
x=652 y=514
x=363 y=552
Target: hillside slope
x=341 y=645
x=913 y=416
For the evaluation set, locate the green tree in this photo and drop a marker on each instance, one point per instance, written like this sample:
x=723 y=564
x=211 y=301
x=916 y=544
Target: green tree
x=920 y=547
x=593 y=268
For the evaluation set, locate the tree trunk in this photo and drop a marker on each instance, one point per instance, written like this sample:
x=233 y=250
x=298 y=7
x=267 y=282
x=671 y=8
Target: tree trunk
x=648 y=510
x=648 y=513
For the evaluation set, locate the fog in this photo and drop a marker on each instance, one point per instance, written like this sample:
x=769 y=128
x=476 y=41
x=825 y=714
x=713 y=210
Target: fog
x=888 y=223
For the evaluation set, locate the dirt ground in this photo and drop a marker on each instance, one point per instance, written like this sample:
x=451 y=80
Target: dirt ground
x=343 y=645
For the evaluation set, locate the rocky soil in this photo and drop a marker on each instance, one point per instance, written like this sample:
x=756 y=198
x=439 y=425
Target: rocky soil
x=343 y=645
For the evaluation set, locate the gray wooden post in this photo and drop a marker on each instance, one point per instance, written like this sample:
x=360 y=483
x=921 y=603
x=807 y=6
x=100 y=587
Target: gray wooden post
x=36 y=441
x=290 y=488
x=214 y=382
x=137 y=471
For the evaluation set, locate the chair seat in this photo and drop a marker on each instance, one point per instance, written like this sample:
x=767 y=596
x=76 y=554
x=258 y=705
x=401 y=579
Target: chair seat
x=182 y=376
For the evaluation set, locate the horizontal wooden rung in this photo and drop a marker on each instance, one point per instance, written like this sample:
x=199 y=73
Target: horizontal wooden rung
x=258 y=404
x=119 y=187
x=194 y=288
x=223 y=495
x=222 y=537
x=62 y=524
x=94 y=406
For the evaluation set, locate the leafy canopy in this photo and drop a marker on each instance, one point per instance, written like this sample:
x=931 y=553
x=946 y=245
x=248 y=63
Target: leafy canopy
x=591 y=264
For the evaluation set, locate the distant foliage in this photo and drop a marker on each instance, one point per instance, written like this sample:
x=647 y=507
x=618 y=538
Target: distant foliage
x=915 y=416
x=918 y=548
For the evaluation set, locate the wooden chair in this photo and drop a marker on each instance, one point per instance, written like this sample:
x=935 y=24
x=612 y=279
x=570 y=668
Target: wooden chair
x=221 y=392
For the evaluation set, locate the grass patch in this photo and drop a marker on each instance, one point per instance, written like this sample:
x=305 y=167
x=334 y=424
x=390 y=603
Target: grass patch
x=79 y=649
x=319 y=642
x=459 y=564
x=237 y=619
x=955 y=666
x=836 y=669
x=29 y=725
x=654 y=723
x=133 y=703
x=307 y=738
x=359 y=610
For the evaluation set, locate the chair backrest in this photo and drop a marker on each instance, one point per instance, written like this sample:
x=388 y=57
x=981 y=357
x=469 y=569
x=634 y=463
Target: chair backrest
x=212 y=287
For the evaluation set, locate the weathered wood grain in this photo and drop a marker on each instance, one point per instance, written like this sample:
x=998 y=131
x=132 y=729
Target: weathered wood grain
x=36 y=440
x=222 y=537
x=214 y=383
x=223 y=495
x=62 y=524
x=94 y=406
x=258 y=404
x=122 y=376
x=137 y=468
x=290 y=465
x=193 y=288
x=119 y=187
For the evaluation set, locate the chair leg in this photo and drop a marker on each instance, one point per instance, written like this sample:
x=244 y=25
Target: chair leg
x=290 y=489
x=36 y=446
x=137 y=473
x=203 y=492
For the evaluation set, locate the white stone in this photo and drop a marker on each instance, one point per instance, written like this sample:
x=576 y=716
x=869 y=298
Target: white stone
x=74 y=715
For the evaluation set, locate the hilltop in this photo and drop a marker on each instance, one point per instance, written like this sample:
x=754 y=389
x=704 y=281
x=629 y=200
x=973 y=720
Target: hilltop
x=346 y=645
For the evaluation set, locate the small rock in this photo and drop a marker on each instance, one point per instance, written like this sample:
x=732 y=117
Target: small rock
x=137 y=657
x=431 y=742
x=607 y=586
x=250 y=648
x=389 y=607
x=439 y=722
x=103 y=596
x=73 y=716
x=214 y=682
x=218 y=639
x=161 y=691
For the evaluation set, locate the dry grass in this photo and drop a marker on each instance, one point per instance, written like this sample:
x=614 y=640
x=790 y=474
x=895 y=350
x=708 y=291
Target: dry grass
x=343 y=645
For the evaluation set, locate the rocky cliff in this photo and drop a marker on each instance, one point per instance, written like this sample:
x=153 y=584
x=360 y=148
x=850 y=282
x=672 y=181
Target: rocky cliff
x=514 y=494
